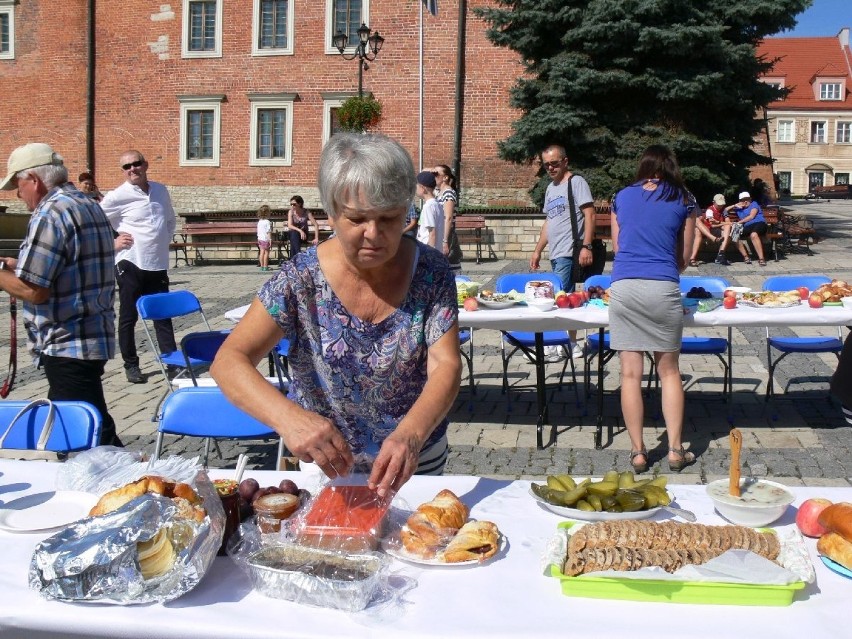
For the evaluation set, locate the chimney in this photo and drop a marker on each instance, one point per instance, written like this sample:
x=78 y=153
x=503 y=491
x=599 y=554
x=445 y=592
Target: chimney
x=843 y=36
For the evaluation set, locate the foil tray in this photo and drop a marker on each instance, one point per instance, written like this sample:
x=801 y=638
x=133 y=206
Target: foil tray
x=317 y=576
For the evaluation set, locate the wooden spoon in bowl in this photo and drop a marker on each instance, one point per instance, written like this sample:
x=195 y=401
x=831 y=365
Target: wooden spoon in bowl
x=736 y=438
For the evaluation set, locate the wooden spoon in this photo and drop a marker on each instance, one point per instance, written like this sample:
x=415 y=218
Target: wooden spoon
x=736 y=447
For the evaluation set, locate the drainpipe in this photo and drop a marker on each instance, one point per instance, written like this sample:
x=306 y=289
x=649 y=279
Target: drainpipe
x=459 y=111
x=90 y=89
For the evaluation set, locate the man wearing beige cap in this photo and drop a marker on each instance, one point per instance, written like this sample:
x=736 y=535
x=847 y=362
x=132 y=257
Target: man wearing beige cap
x=64 y=276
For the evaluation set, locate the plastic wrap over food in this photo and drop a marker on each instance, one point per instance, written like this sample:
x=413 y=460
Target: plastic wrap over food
x=325 y=554
x=148 y=550
x=106 y=467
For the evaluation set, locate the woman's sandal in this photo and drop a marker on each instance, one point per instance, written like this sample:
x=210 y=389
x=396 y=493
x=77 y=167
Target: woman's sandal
x=747 y=260
x=639 y=467
x=686 y=458
x=694 y=262
x=761 y=262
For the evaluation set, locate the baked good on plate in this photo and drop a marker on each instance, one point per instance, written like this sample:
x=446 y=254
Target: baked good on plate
x=475 y=540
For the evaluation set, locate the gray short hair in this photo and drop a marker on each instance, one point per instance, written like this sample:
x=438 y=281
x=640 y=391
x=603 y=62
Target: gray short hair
x=371 y=166
x=51 y=174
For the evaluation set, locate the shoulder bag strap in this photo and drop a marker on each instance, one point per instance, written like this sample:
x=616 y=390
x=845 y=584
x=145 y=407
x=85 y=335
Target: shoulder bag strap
x=6 y=388
x=48 y=422
x=572 y=209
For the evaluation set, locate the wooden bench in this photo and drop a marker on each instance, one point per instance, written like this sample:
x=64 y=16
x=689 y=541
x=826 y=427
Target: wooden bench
x=838 y=191
x=469 y=229
x=198 y=236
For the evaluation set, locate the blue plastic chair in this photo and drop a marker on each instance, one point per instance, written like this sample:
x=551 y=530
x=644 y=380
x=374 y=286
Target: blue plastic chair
x=787 y=345
x=201 y=348
x=279 y=355
x=700 y=345
x=166 y=306
x=76 y=426
x=525 y=341
x=204 y=411
x=466 y=337
x=592 y=346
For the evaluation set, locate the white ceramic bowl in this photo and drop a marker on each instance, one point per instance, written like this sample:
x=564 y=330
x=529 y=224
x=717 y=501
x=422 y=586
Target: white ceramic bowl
x=761 y=501
x=541 y=303
x=738 y=289
x=847 y=302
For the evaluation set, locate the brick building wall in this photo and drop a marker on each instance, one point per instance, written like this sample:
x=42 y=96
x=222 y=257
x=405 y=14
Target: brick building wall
x=141 y=73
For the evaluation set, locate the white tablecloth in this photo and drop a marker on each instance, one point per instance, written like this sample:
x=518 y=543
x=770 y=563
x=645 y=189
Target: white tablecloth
x=508 y=597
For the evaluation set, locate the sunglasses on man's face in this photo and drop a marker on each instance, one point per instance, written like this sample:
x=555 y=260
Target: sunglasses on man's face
x=554 y=164
x=132 y=165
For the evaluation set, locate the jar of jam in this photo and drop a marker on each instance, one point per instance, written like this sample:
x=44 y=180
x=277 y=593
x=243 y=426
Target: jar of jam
x=230 y=497
x=272 y=508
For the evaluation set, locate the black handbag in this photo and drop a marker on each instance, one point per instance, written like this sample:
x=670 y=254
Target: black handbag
x=581 y=273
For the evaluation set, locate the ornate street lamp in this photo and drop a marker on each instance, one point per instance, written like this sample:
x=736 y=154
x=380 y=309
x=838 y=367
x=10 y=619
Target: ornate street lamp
x=366 y=50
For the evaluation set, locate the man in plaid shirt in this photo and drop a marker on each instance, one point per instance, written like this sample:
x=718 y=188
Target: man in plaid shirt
x=64 y=276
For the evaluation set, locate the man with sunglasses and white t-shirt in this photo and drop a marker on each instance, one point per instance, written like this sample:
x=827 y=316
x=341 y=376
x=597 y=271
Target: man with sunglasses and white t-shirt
x=140 y=211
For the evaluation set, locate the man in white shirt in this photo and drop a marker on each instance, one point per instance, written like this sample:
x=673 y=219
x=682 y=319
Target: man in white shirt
x=143 y=210
x=430 y=227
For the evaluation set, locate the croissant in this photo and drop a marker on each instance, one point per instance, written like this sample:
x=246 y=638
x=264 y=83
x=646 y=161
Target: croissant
x=835 y=547
x=433 y=524
x=475 y=540
x=187 y=499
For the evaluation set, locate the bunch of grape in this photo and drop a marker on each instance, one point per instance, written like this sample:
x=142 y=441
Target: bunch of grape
x=596 y=292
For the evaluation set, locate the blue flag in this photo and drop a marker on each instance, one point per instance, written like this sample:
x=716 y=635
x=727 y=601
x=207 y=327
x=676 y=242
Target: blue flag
x=431 y=6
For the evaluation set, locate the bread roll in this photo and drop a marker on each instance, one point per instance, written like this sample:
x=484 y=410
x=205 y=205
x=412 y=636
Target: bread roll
x=837 y=518
x=837 y=548
x=475 y=540
x=433 y=524
x=187 y=499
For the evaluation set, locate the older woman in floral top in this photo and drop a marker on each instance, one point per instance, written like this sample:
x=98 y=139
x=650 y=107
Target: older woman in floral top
x=372 y=322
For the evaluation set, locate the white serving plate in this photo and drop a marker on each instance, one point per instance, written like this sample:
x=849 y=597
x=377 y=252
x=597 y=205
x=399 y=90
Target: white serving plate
x=494 y=305
x=393 y=546
x=584 y=515
x=45 y=512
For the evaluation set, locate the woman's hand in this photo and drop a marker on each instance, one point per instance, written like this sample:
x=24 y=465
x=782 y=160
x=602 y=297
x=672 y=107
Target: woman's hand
x=313 y=438
x=395 y=464
x=303 y=235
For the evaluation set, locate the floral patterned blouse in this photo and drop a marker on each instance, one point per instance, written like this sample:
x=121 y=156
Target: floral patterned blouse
x=363 y=376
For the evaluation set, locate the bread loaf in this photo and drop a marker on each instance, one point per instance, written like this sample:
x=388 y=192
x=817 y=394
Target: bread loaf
x=476 y=540
x=837 y=518
x=837 y=548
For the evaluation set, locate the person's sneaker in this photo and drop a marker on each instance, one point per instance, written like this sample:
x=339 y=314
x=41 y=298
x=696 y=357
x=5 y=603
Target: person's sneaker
x=554 y=353
x=721 y=259
x=173 y=371
x=134 y=375
x=577 y=352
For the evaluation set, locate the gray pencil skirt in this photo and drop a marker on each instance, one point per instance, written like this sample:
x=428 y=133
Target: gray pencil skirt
x=645 y=315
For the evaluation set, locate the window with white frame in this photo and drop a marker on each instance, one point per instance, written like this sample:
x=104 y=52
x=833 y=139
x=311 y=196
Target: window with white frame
x=841 y=179
x=786 y=131
x=818 y=132
x=830 y=91
x=202 y=29
x=331 y=102
x=843 y=133
x=273 y=27
x=200 y=119
x=346 y=16
x=272 y=129
x=7 y=29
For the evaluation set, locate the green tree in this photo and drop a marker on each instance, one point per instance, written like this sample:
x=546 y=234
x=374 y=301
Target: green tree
x=606 y=78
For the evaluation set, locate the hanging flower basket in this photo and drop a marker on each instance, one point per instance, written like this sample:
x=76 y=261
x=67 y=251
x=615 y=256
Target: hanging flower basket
x=359 y=114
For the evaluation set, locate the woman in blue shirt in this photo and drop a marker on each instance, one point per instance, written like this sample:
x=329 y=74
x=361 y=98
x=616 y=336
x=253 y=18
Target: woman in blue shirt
x=653 y=216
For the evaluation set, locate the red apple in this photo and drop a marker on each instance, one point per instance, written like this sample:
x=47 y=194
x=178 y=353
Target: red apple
x=563 y=301
x=730 y=293
x=803 y=292
x=815 y=301
x=576 y=300
x=729 y=302
x=807 y=517
x=470 y=304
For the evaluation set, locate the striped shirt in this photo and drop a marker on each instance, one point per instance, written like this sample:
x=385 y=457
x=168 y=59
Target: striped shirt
x=69 y=250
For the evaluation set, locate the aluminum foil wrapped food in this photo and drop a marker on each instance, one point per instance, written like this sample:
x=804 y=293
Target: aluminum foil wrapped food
x=153 y=548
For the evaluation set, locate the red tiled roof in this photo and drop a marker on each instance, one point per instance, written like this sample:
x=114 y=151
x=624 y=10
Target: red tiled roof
x=800 y=62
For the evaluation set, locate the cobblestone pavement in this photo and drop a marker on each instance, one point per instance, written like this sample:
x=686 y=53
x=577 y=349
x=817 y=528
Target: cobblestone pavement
x=801 y=438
